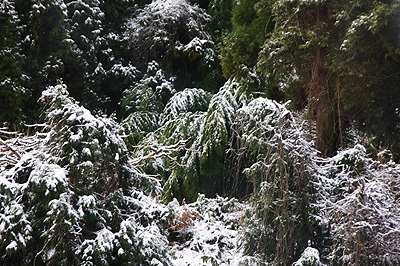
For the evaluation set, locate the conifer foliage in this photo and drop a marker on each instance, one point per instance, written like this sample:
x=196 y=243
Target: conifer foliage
x=280 y=169
x=11 y=91
x=175 y=132
x=70 y=196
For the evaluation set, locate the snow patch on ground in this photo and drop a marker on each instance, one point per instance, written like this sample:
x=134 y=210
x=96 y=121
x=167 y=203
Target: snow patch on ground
x=215 y=234
x=310 y=257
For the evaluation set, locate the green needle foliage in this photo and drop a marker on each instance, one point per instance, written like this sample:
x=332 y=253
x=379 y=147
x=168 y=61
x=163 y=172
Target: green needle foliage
x=134 y=103
x=329 y=56
x=277 y=159
x=251 y=23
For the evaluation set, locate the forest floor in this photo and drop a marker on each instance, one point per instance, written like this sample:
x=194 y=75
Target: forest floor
x=210 y=232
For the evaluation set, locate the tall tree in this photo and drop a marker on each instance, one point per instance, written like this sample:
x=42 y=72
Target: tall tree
x=251 y=22
x=10 y=72
x=173 y=33
x=322 y=53
x=42 y=36
x=84 y=32
x=368 y=66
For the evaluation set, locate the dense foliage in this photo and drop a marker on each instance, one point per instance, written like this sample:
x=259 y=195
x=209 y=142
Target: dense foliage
x=114 y=114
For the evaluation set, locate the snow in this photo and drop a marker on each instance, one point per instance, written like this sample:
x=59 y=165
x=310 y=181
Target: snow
x=310 y=257
x=196 y=45
x=156 y=262
x=215 y=233
x=150 y=29
x=50 y=253
x=188 y=100
x=105 y=240
x=355 y=195
x=12 y=246
x=49 y=175
x=216 y=230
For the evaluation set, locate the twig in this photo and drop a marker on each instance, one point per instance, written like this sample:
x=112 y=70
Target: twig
x=11 y=149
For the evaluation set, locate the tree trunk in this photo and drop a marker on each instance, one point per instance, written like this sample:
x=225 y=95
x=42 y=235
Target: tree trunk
x=327 y=139
x=322 y=100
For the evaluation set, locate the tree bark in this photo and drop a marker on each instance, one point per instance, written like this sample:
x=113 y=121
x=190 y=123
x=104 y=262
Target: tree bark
x=323 y=102
x=327 y=134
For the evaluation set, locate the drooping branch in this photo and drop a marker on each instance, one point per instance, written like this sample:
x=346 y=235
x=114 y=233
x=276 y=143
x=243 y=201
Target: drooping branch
x=16 y=144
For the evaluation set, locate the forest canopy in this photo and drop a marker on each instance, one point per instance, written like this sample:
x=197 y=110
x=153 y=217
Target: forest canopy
x=129 y=126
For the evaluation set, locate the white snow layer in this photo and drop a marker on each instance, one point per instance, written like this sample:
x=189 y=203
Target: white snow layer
x=310 y=256
x=215 y=239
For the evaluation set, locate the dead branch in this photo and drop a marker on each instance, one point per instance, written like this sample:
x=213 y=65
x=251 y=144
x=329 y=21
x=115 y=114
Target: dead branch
x=10 y=149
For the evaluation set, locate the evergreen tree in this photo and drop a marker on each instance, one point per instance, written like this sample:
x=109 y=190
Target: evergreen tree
x=251 y=22
x=324 y=52
x=221 y=17
x=269 y=148
x=96 y=70
x=42 y=45
x=73 y=198
x=84 y=24
x=368 y=65
x=11 y=91
x=173 y=33
x=117 y=12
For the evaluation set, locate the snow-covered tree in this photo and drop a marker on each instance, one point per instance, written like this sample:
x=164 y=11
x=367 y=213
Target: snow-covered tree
x=96 y=70
x=10 y=73
x=84 y=28
x=172 y=32
x=339 y=208
x=163 y=26
x=89 y=147
x=43 y=34
x=328 y=56
x=80 y=187
x=70 y=195
x=193 y=135
x=273 y=153
x=358 y=196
